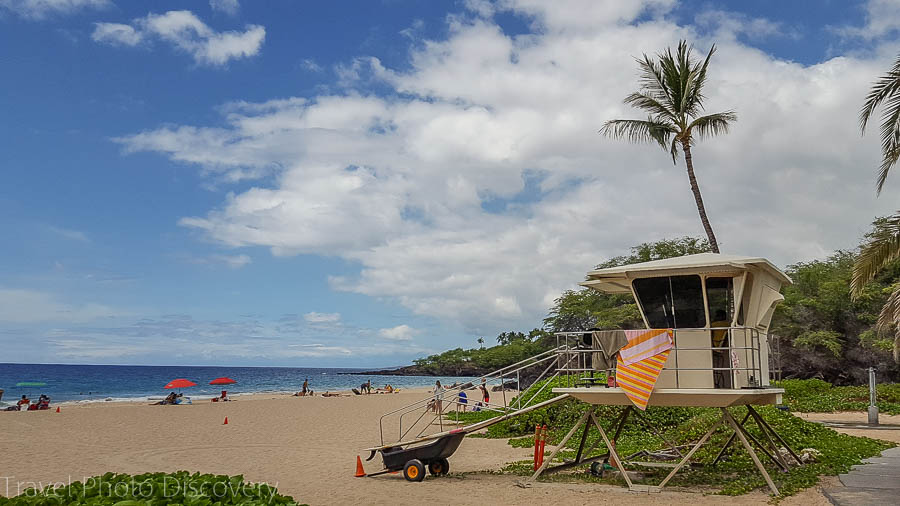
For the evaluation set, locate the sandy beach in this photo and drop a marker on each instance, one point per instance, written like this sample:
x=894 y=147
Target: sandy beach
x=306 y=446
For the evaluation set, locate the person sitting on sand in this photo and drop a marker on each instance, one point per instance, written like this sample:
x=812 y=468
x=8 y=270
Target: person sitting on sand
x=389 y=389
x=170 y=399
x=222 y=398
x=24 y=401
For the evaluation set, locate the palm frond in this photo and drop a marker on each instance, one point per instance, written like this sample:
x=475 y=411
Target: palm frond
x=889 y=320
x=673 y=149
x=890 y=312
x=649 y=130
x=886 y=86
x=694 y=96
x=653 y=82
x=649 y=103
x=890 y=139
x=711 y=125
x=673 y=77
x=883 y=247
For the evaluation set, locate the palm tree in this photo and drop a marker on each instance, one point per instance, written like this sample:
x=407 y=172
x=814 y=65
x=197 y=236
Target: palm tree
x=672 y=95
x=885 y=90
x=882 y=248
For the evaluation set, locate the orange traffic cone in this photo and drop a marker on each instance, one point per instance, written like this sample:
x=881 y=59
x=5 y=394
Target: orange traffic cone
x=57 y=409
x=360 y=472
x=226 y=421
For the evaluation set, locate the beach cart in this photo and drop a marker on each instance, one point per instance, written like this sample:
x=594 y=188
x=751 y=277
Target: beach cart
x=413 y=460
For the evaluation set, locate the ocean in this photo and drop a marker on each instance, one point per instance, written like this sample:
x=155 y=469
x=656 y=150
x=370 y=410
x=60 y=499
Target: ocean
x=99 y=383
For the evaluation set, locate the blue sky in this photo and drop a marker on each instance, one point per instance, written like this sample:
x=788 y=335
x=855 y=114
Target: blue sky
x=359 y=184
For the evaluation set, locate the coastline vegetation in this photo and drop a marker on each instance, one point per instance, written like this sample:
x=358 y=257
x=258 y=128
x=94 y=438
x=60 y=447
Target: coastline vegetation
x=821 y=330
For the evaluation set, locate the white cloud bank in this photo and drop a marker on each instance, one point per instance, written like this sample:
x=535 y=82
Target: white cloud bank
x=186 y=32
x=481 y=189
x=399 y=333
x=37 y=10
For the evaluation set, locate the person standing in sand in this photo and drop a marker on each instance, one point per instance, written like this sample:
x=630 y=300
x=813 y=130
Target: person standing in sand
x=438 y=397
x=485 y=396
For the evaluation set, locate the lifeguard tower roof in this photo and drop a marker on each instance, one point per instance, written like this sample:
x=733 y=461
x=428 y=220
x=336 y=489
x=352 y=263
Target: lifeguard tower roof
x=617 y=279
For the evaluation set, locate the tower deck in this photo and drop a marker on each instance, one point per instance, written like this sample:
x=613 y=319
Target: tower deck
x=686 y=397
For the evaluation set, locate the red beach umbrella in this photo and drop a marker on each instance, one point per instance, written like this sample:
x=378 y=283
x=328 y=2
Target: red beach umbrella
x=180 y=383
x=222 y=381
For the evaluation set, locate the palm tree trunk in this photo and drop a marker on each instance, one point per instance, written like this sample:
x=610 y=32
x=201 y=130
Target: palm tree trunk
x=688 y=160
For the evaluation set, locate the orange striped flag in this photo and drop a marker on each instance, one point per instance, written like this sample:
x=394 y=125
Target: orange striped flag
x=638 y=379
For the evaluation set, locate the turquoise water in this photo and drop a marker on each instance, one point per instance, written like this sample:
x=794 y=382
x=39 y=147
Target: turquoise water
x=88 y=383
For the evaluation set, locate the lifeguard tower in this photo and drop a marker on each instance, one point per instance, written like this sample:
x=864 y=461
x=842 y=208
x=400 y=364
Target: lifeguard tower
x=718 y=309
x=712 y=313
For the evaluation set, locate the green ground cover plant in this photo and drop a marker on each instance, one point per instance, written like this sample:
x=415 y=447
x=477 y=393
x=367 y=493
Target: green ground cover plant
x=154 y=489
x=736 y=474
x=817 y=396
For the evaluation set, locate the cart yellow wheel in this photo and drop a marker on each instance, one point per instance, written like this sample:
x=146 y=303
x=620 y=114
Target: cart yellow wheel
x=439 y=467
x=414 y=470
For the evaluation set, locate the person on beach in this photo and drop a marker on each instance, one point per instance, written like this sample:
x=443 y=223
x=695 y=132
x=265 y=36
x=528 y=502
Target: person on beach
x=485 y=396
x=170 y=399
x=305 y=387
x=438 y=397
x=24 y=401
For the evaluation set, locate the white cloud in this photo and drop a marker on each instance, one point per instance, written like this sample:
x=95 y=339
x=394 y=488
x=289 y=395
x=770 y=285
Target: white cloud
x=233 y=261
x=310 y=65
x=399 y=333
x=230 y=261
x=313 y=317
x=230 y=7
x=729 y=24
x=882 y=19
x=41 y=9
x=116 y=34
x=178 y=339
x=74 y=235
x=31 y=306
x=186 y=32
x=480 y=189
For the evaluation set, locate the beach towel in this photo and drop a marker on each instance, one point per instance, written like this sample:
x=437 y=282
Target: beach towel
x=637 y=379
x=609 y=342
x=644 y=344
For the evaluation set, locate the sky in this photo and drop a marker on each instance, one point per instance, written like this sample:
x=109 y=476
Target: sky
x=357 y=184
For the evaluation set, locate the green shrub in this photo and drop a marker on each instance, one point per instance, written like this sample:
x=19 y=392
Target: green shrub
x=153 y=489
x=817 y=396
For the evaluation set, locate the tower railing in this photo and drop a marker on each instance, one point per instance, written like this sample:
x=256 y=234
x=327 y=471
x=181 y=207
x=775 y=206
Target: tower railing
x=739 y=364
